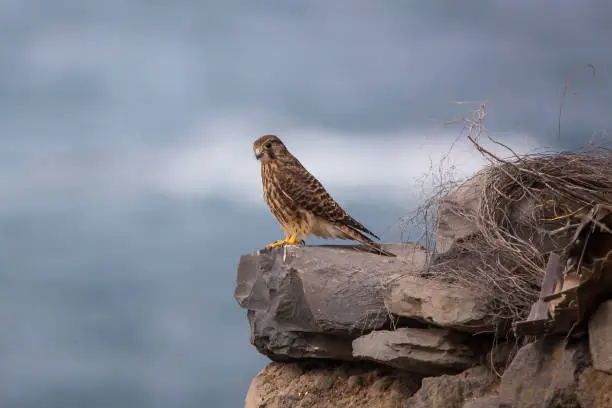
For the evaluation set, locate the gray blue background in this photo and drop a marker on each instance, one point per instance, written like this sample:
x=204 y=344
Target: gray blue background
x=128 y=187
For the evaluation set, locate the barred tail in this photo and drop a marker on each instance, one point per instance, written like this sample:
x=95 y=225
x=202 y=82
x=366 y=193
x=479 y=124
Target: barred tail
x=351 y=233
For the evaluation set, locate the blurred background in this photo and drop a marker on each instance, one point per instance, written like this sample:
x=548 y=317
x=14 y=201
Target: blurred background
x=128 y=186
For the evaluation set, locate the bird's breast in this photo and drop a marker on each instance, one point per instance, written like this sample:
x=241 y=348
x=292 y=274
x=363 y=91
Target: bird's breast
x=282 y=206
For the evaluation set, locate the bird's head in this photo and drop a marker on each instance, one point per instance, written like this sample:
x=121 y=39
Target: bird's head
x=268 y=148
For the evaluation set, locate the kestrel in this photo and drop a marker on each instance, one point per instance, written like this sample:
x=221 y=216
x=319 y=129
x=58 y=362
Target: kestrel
x=299 y=202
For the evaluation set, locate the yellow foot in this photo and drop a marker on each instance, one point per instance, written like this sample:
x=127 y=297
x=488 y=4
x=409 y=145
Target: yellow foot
x=291 y=240
x=275 y=244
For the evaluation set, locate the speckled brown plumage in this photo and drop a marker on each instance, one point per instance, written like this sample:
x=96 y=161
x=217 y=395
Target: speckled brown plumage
x=299 y=202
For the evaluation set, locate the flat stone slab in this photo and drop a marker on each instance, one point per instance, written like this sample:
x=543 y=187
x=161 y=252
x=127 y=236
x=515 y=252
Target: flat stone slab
x=423 y=351
x=437 y=302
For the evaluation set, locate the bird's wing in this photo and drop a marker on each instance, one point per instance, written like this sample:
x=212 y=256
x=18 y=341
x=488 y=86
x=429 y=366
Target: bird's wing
x=308 y=193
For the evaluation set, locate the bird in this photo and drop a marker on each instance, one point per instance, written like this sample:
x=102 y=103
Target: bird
x=300 y=203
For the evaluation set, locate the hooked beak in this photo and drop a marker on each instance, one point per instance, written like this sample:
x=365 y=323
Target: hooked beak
x=257 y=154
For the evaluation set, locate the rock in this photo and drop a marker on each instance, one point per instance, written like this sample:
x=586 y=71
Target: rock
x=313 y=301
x=382 y=384
x=328 y=386
x=544 y=374
x=423 y=351
x=281 y=344
x=595 y=389
x=600 y=336
x=456 y=213
x=458 y=218
x=355 y=381
x=444 y=304
x=490 y=401
x=500 y=354
x=454 y=391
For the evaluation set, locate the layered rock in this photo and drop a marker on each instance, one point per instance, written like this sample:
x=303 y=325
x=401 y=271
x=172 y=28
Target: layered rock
x=311 y=302
x=339 y=304
x=355 y=329
x=443 y=304
x=421 y=351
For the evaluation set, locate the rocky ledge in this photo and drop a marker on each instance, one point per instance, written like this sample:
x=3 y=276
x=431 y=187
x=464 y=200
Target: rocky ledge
x=347 y=328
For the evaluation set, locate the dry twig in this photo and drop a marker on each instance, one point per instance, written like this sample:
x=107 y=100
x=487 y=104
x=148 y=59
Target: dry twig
x=529 y=206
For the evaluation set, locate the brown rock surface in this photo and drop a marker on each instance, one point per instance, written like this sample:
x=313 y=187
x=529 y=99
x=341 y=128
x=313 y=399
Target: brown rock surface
x=595 y=389
x=347 y=385
x=544 y=374
x=600 y=337
x=453 y=391
x=490 y=401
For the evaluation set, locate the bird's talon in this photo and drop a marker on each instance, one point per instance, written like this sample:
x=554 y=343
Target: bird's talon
x=293 y=240
x=275 y=244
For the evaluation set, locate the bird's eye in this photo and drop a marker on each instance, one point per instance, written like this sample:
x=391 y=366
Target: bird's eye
x=268 y=145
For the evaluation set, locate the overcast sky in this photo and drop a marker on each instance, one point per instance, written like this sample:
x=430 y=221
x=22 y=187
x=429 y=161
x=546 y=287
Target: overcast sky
x=126 y=130
x=112 y=91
